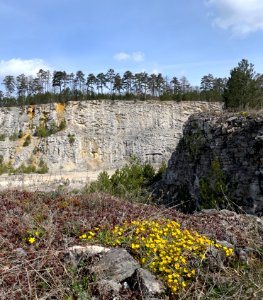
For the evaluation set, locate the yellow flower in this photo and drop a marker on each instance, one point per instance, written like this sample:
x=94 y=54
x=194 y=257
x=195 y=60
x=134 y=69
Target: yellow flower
x=31 y=240
x=163 y=246
x=83 y=236
x=177 y=266
x=183 y=260
x=135 y=246
x=116 y=243
x=229 y=251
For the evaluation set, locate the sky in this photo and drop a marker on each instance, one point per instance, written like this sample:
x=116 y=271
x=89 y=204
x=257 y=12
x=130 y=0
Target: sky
x=189 y=38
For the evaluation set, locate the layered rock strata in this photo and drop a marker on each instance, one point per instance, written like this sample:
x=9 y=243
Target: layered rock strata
x=218 y=163
x=95 y=135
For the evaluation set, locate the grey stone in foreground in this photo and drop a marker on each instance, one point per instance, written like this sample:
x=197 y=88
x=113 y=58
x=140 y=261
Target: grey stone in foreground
x=109 y=289
x=89 y=250
x=115 y=270
x=77 y=253
x=116 y=265
x=148 y=284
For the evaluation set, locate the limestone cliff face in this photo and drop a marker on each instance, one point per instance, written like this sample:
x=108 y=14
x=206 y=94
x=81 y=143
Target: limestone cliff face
x=218 y=162
x=98 y=134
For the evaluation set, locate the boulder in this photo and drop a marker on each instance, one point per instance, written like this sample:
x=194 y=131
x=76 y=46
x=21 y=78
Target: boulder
x=148 y=284
x=115 y=273
x=116 y=265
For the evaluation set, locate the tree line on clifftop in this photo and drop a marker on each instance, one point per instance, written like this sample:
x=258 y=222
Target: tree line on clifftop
x=244 y=87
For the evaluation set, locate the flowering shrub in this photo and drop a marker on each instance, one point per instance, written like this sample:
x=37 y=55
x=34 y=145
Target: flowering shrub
x=59 y=216
x=161 y=246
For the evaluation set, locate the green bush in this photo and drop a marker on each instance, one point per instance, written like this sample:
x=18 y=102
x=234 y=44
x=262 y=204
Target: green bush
x=42 y=167
x=25 y=169
x=2 y=137
x=159 y=174
x=213 y=189
x=53 y=128
x=130 y=182
x=71 y=138
x=6 y=168
x=102 y=184
x=14 y=137
x=43 y=132
x=62 y=125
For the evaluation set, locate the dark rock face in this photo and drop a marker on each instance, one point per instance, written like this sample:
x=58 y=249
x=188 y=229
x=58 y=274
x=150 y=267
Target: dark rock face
x=217 y=164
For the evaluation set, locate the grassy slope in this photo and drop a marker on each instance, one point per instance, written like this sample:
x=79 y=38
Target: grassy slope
x=39 y=271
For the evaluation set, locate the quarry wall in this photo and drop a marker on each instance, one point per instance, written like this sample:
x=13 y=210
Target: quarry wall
x=97 y=135
x=218 y=163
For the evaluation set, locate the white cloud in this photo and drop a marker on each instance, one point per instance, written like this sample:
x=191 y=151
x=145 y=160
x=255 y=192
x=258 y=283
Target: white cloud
x=17 y=66
x=241 y=16
x=122 y=56
x=138 y=56
x=135 y=56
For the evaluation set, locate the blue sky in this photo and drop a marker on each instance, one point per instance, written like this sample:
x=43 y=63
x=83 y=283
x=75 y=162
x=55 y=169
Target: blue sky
x=175 y=37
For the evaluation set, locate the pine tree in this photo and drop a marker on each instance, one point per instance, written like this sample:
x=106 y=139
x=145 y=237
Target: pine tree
x=242 y=89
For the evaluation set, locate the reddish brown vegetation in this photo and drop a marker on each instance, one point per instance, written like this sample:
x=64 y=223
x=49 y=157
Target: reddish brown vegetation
x=39 y=270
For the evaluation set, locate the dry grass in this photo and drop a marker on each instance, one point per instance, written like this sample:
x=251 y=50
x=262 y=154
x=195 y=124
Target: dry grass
x=39 y=271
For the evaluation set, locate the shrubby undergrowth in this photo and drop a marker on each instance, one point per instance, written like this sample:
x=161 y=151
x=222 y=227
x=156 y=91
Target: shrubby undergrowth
x=130 y=182
x=37 y=228
x=161 y=246
x=7 y=168
x=43 y=131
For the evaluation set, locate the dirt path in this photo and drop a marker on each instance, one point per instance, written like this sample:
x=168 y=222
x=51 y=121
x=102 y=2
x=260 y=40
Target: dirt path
x=47 y=182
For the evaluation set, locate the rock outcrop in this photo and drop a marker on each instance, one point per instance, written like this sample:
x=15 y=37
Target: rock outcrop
x=96 y=135
x=218 y=163
x=115 y=271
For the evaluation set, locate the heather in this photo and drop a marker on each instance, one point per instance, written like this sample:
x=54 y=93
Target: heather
x=37 y=228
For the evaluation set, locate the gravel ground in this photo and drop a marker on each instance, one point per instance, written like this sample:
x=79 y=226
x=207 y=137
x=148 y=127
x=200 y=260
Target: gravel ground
x=47 y=182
